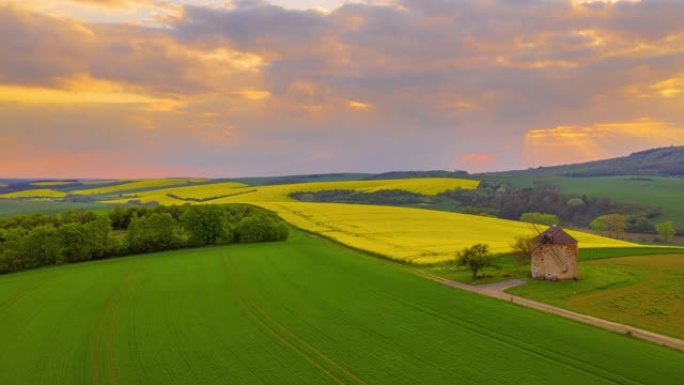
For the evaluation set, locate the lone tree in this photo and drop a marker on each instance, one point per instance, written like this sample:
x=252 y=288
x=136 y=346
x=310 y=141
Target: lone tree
x=666 y=230
x=476 y=258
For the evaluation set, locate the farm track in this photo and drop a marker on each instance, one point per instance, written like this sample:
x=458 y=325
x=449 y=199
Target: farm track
x=283 y=334
x=497 y=290
x=107 y=324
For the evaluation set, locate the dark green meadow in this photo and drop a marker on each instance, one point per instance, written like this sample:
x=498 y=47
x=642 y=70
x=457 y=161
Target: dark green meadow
x=304 y=311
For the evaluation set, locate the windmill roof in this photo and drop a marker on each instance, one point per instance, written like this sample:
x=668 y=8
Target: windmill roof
x=554 y=235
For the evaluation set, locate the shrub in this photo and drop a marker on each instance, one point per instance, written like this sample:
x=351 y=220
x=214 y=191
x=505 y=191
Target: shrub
x=476 y=258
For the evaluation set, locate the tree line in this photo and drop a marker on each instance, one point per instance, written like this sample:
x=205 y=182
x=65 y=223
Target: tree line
x=32 y=241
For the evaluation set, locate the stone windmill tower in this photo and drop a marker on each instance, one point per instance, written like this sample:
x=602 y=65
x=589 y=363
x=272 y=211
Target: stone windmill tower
x=554 y=255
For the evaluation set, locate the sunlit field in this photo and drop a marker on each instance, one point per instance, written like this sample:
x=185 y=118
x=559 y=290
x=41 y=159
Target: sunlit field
x=304 y=311
x=413 y=235
x=34 y=193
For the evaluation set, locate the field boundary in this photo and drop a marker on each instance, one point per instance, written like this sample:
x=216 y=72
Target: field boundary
x=497 y=291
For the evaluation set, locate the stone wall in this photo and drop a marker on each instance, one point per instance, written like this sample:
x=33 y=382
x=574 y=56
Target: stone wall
x=554 y=262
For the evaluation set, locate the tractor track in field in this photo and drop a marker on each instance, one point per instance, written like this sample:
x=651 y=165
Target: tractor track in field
x=107 y=320
x=497 y=290
x=283 y=334
x=515 y=343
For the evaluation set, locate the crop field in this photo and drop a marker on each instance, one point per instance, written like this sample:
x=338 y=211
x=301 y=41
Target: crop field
x=645 y=291
x=306 y=311
x=234 y=192
x=412 y=235
x=34 y=193
x=10 y=207
x=134 y=185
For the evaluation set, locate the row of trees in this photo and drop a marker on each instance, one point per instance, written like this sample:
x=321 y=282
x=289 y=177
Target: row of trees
x=39 y=240
x=615 y=225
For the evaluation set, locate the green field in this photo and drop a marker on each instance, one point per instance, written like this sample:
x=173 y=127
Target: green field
x=646 y=291
x=10 y=207
x=664 y=193
x=306 y=311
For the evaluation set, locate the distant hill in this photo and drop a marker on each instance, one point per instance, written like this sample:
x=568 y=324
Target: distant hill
x=420 y=174
x=665 y=161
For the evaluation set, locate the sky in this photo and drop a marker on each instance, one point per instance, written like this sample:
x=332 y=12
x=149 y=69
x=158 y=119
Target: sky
x=209 y=88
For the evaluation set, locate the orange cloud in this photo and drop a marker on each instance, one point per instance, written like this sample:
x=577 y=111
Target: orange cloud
x=573 y=144
x=359 y=106
x=85 y=90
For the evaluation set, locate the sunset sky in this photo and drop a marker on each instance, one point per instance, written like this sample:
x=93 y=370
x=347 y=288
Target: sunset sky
x=156 y=88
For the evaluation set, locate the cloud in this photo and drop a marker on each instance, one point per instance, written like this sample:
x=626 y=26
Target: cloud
x=475 y=162
x=257 y=88
x=572 y=144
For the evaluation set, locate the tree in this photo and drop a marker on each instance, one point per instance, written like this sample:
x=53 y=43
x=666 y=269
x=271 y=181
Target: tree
x=522 y=248
x=476 y=258
x=540 y=218
x=98 y=233
x=639 y=224
x=152 y=233
x=613 y=224
x=41 y=247
x=666 y=230
x=74 y=240
x=260 y=228
x=205 y=225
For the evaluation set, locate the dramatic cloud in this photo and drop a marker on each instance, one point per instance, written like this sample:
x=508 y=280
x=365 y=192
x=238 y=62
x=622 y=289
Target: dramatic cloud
x=252 y=87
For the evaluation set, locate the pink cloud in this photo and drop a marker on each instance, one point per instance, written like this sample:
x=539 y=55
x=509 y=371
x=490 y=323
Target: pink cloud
x=475 y=162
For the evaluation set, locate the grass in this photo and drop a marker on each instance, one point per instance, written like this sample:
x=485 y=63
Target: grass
x=303 y=311
x=646 y=291
x=34 y=193
x=658 y=192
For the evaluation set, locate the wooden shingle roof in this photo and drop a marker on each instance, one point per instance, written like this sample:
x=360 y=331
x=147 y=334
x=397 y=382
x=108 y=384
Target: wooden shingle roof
x=554 y=236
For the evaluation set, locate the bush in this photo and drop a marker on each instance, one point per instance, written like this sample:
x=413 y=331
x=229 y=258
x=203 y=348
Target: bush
x=260 y=228
x=666 y=230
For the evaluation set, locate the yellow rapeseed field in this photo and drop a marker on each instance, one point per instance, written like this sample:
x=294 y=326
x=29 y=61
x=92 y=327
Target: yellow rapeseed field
x=34 y=193
x=412 y=235
x=134 y=185
x=236 y=192
x=202 y=191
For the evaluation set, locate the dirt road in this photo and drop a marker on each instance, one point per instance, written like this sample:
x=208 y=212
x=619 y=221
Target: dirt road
x=497 y=290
